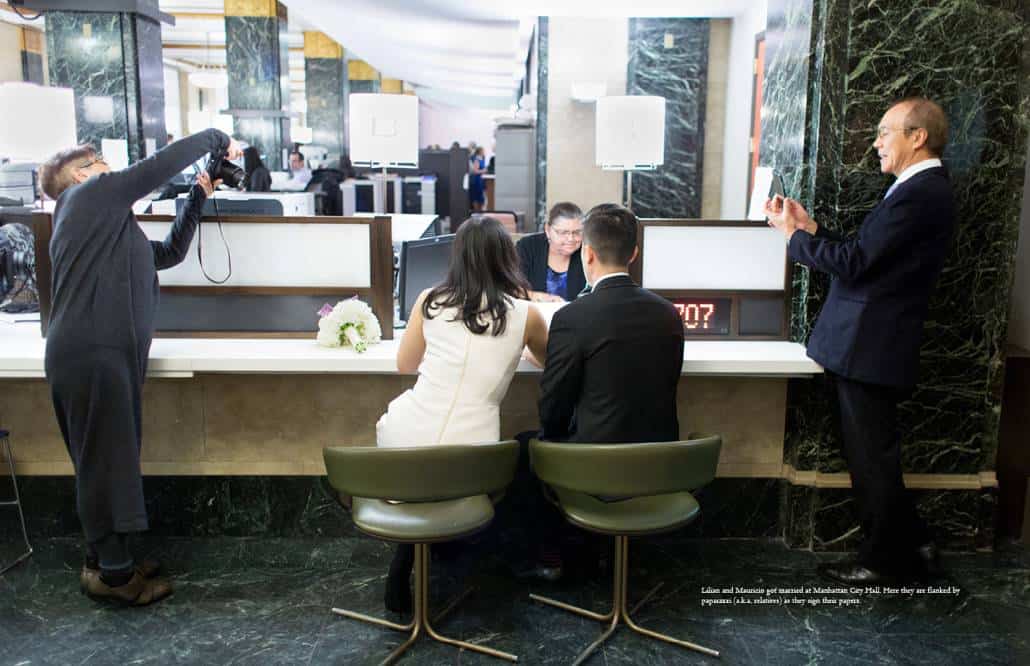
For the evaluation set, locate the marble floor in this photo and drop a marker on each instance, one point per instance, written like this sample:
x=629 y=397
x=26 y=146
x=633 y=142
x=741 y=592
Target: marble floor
x=266 y=601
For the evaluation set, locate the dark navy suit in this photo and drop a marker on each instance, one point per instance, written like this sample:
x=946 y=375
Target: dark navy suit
x=867 y=337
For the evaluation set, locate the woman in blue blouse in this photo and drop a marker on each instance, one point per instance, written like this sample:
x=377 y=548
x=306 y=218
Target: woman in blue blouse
x=550 y=260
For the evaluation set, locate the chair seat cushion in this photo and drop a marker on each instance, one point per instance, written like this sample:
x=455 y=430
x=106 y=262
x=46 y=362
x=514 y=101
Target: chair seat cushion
x=636 y=515
x=422 y=522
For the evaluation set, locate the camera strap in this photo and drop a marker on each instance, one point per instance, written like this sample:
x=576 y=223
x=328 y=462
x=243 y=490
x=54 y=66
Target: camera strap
x=200 y=238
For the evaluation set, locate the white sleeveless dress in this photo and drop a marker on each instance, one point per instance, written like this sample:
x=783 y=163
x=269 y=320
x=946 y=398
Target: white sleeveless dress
x=461 y=381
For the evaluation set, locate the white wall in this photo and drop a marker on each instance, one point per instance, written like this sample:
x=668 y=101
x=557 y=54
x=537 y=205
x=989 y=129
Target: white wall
x=736 y=158
x=1019 y=315
x=581 y=50
x=442 y=124
x=10 y=53
x=173 y=104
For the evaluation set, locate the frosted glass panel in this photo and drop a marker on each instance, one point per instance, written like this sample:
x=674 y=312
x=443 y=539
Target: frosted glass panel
x=274 y=255
x=714 y=258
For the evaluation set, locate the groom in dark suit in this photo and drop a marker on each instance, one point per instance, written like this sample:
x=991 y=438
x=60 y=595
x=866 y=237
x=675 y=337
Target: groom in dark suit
x=868 y=334
x=614 y=357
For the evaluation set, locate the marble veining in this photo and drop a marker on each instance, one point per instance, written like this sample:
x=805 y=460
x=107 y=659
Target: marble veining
x=254 y=64
x=668 y=57
x=541 y=120
x=267 y=601
x=325 y=85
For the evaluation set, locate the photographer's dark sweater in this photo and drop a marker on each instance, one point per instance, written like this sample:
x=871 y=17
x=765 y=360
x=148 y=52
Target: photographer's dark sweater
x=104 y=296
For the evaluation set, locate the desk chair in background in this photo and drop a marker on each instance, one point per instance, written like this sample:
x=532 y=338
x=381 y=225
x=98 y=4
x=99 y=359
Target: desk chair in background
x=5 y=437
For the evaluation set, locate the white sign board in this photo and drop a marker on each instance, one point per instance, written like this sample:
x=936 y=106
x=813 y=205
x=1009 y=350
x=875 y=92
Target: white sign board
x=383 y=130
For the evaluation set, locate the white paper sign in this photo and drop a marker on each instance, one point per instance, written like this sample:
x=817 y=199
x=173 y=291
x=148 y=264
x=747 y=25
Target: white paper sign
x=759 y=193
x=116 y=153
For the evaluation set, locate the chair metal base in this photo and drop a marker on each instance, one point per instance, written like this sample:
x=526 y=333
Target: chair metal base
x=16 y=502
x=619 y=614
x=420 y=621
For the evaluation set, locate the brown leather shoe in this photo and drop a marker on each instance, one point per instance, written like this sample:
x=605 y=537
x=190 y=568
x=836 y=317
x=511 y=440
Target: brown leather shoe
x=147 y=568
x=139 y=591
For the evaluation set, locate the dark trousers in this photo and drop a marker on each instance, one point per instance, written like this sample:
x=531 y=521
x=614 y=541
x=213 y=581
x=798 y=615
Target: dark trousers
x=872 y=447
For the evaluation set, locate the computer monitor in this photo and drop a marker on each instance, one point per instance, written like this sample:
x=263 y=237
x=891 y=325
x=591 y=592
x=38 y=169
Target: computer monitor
x=424 y=264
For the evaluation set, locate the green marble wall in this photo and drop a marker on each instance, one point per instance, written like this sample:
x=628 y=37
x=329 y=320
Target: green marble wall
x=833 y=66
x=113 y=63
x=257 y=62
x=326 y=90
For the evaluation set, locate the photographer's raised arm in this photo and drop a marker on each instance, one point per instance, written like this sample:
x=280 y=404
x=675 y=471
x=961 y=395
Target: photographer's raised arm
x=138 y=180
x=172 y=250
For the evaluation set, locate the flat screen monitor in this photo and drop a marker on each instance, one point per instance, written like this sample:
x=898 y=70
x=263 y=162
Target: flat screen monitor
x=424 y=264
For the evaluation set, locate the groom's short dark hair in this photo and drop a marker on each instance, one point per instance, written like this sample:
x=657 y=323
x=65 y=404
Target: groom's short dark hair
x=611 y=231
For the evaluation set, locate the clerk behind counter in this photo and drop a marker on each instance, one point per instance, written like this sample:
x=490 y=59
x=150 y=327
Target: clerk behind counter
x=550 y=260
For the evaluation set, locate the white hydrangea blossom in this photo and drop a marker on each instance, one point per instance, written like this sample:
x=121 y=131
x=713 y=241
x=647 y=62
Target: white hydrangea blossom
x=350 y=323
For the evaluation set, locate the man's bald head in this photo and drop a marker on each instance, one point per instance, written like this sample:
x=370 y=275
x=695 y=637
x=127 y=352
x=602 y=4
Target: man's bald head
x=923 y=113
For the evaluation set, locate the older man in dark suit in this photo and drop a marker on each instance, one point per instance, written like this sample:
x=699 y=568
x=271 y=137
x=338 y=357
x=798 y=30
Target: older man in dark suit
x=868 y=334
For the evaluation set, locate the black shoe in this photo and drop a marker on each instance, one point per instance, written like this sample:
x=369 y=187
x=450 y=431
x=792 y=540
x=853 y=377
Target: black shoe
x=538 y=571
x=930 y=557
x=852 y=573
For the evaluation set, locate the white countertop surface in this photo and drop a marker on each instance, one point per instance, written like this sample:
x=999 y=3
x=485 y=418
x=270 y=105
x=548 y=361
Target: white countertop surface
x=22 y=350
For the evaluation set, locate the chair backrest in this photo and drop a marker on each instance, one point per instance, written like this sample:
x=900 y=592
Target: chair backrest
x=422 y=473
x=653 y=468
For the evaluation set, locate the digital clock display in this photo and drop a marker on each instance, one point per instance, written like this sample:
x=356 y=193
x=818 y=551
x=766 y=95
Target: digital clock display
x=704 y=316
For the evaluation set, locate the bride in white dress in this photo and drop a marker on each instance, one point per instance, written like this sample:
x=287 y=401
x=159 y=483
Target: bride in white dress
x=464 y=338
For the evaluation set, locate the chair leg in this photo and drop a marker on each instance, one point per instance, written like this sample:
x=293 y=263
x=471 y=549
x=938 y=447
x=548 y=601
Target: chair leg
x=21 y=515
x=619 y=613
x=420 y=619
x=637 y=628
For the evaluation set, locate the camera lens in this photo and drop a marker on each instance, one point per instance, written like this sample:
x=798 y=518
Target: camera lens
x=232 y=175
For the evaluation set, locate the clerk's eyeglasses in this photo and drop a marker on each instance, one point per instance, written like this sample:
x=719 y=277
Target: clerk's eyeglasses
x=97 y=159
x=567 y=233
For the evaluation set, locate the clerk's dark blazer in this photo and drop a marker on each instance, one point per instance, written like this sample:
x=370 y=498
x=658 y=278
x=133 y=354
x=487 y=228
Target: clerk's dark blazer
x=614 y=359
x=871 y=325
x=532 y=251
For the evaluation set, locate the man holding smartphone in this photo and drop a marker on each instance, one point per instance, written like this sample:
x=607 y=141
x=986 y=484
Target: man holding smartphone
x=868 y=334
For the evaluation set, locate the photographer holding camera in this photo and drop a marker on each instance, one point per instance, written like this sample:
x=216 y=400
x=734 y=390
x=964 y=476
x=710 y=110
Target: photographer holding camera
x=104 y=296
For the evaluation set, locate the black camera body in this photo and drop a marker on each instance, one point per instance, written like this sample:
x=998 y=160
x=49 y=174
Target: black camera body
x=220 y=168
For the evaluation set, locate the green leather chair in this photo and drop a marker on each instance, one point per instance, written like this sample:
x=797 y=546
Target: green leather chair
x=422 y=495
x=653 y=481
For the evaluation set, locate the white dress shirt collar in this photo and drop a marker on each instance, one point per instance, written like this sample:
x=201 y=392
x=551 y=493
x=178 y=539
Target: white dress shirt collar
x=918 y=167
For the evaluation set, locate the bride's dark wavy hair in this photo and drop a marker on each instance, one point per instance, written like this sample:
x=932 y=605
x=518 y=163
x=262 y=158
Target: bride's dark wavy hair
x=483 y=276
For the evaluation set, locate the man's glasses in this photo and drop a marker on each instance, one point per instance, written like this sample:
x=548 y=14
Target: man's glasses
x=884 y=131
x=98 y=158
x=565 y=234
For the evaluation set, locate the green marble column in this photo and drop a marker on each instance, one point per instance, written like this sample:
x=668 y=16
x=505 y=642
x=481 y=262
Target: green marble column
x=832 y=69
x=32 y=55
x=257 y=62
x=362 y=77
x=326 y=88
x=113 y=63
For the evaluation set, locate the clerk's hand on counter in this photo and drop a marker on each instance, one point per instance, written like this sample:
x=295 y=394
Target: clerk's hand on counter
x=205 y=183
x=544 y=297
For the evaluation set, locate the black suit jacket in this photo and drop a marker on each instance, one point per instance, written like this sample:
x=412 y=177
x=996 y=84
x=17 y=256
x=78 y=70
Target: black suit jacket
x=871 y=325
x=614 y=359
x=532 y=251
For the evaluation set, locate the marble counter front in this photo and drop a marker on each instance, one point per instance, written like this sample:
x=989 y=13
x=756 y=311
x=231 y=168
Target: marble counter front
x=268 y=406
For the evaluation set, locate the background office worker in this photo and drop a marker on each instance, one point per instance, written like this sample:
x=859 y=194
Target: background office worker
x=551 y=260
x=104 y=297
x=868 y=334
x=259 y=179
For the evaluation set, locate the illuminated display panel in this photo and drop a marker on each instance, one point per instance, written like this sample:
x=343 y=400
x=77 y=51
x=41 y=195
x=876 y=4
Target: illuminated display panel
x=704 y=316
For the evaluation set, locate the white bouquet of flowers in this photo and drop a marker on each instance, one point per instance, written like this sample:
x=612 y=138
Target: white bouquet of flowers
x=351 y=323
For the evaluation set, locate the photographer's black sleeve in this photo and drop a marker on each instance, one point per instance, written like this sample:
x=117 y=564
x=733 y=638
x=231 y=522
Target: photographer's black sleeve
x=172 y=250
x=136 y=181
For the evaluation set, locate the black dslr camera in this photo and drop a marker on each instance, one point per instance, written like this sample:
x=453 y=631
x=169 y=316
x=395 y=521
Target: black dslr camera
x=220 y=168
